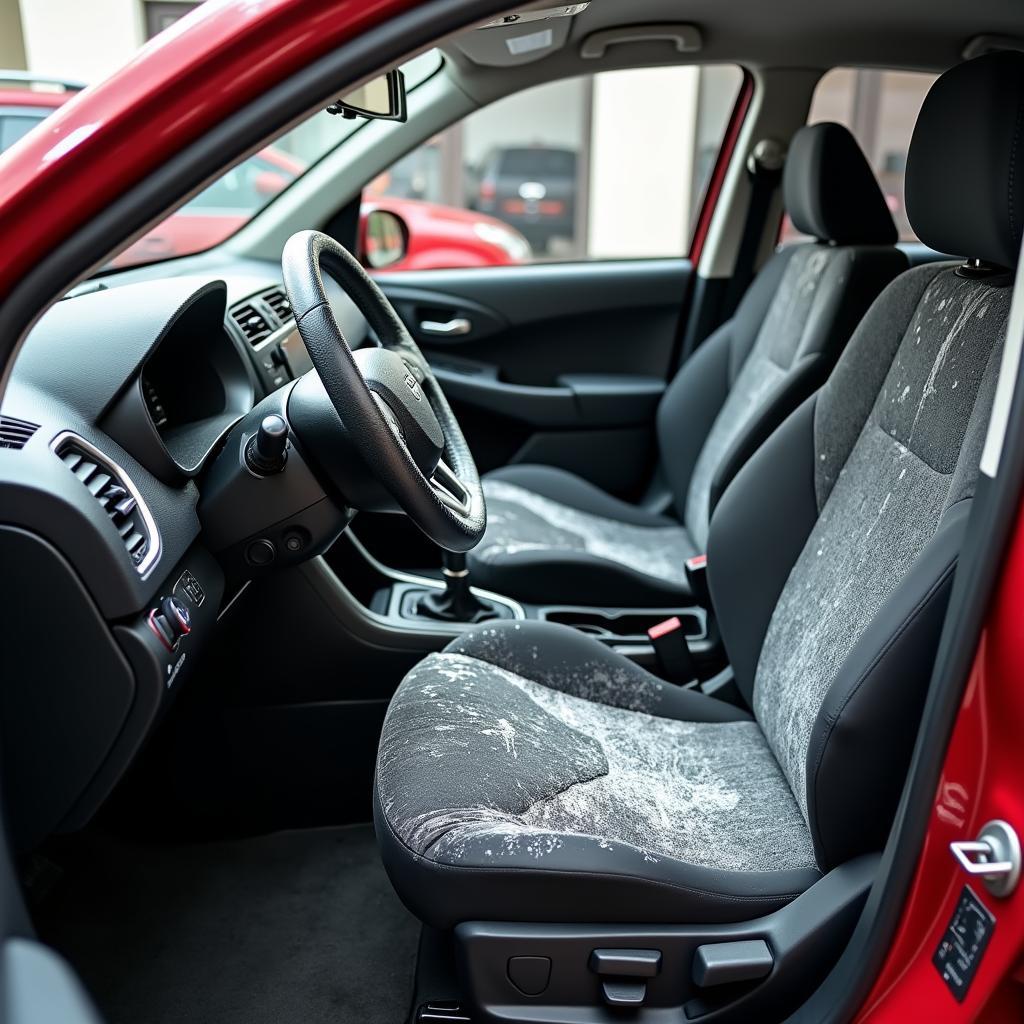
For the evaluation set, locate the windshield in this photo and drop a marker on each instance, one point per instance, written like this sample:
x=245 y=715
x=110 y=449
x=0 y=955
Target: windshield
x=242 y=192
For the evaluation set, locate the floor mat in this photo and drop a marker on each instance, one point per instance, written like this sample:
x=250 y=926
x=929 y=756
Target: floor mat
x=290 y=928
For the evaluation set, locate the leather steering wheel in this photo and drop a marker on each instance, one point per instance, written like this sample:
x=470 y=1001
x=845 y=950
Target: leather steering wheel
x=391 y=404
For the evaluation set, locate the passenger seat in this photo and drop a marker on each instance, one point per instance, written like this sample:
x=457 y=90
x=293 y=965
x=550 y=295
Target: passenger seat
x=554 y=538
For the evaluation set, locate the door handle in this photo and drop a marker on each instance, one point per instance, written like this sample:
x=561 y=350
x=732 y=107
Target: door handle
x=994 y=857
x=451 y=329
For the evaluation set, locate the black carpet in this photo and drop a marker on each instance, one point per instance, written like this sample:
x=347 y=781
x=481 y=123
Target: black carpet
x=289 y=928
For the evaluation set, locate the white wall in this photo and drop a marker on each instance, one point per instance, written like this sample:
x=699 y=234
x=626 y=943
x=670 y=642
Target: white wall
x=548 y=115
x=639 y=194
x=85 y=40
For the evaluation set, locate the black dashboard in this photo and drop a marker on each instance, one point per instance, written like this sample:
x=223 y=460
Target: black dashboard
x=120 y=399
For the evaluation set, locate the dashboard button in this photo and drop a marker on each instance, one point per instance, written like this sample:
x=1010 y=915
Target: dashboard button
x=260 y=552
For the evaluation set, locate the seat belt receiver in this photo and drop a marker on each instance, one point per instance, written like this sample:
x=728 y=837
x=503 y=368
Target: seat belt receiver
x=697 y=577
x=673 y=651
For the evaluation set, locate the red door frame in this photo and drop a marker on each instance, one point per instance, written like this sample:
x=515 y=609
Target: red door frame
x=222 y=57
x=981 y=780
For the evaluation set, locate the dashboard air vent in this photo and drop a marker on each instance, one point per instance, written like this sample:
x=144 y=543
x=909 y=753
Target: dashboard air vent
x=116 y=495
x=277 y=300
x=251 y=322
x=15 y=433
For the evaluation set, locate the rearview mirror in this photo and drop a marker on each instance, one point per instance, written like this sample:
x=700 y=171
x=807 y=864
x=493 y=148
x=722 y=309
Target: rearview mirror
x=382 y=98
x=385 y=239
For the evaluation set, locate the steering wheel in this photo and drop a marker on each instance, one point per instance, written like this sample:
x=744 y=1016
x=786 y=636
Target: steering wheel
x=391 y=404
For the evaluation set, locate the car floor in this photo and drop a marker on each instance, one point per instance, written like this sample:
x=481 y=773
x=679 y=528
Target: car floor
x=298 y=926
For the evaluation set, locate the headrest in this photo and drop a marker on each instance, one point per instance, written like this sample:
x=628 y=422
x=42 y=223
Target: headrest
x=831 y=192
x=965 y=168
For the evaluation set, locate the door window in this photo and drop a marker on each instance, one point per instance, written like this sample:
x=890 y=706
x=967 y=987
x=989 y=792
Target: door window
x=613 y=165
x=880 y=108
x=14 y=126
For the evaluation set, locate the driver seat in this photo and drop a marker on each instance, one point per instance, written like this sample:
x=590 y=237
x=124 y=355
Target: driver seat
x=529 y=774
x=553 y=537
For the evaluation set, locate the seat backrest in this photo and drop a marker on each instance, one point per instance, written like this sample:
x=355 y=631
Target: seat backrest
x=789 y=328
x=832 y=553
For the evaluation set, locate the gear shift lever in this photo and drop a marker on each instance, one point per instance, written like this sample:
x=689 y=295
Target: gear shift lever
x=456 y=603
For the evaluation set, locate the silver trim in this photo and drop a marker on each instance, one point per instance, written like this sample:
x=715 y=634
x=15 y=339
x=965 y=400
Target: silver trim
x=152 y=556
x=450 y=489
x=451 y=329
x=998 y=853
x=1006 y=383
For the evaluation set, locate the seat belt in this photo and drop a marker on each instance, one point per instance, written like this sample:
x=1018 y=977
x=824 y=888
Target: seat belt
x=764 y=167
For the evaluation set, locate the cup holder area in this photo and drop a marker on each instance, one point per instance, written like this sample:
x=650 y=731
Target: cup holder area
x=631 y=624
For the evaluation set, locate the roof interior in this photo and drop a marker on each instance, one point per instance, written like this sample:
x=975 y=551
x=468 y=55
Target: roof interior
x=910 y=34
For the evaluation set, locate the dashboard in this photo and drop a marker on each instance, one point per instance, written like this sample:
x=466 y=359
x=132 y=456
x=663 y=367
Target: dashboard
x=121 y=399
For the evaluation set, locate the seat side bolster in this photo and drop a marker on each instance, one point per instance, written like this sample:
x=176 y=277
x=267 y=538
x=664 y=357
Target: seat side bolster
x=771 y=497
x=850 y=285
x=804 y=379
x=875 y=704
x=689 y=407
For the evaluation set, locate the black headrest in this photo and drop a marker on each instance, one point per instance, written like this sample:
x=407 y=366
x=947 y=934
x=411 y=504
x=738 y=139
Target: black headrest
x=830 y=191
x=965 y=169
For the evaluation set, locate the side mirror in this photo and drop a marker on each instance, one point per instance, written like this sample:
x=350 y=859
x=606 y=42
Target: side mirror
x=384 y=239
x=381 y=98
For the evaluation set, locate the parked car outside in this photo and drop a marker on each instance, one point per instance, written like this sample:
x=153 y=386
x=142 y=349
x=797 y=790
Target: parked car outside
x=27 y=99
x=533 y=188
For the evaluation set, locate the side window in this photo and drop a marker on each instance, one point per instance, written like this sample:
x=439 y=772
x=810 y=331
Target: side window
x=13 y=127
x=879 y=108
x=586 y=168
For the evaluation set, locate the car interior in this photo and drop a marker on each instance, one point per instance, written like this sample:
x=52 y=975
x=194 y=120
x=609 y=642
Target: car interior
x=536 y=642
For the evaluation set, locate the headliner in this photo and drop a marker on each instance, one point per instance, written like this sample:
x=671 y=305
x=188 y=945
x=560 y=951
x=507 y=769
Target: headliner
x=912 y=34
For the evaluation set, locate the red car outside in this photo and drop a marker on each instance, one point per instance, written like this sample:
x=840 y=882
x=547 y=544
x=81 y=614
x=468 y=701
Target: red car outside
x=435 y=236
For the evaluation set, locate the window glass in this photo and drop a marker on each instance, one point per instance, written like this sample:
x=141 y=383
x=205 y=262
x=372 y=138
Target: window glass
x=613 y=165
x=13 y=127
x=217 y=212
x=880 y=109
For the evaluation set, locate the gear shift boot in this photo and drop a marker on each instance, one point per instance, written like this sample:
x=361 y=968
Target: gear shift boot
x=457 y=602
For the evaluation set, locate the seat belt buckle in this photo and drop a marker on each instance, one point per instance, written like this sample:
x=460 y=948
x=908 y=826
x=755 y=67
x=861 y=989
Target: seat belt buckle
x=672 y=650
x=697 y=577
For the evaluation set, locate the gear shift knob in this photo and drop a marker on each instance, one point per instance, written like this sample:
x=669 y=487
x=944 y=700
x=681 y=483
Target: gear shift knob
x=456 y=603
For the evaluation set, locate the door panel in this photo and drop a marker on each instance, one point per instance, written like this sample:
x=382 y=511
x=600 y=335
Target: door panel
x=561 y=363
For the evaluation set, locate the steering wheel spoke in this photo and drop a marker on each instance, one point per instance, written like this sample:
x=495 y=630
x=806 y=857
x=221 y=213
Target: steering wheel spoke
x=450 y=489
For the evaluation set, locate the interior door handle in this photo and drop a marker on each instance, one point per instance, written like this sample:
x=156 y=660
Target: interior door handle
x=451 y=329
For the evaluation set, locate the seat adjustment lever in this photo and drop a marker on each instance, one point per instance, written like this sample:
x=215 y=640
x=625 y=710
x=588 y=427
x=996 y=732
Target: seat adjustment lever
x=723 y=963
x=622 y=971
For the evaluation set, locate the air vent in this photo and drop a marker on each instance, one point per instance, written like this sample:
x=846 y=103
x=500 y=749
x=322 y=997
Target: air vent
x=15 y=433
x=116 y=495
x=277 y=300
x=251 y=322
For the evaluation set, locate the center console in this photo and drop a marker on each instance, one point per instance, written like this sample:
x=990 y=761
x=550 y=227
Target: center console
x=386 y=605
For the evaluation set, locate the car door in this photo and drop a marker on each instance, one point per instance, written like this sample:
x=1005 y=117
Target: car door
x=552 y=313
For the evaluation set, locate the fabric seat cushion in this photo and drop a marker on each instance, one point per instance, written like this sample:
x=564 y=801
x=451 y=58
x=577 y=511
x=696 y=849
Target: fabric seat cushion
x=553 y=537
x=530 y=746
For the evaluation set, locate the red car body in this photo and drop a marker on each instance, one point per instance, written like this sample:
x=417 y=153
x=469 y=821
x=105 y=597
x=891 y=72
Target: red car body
x=114 y=136
x=436 y=236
